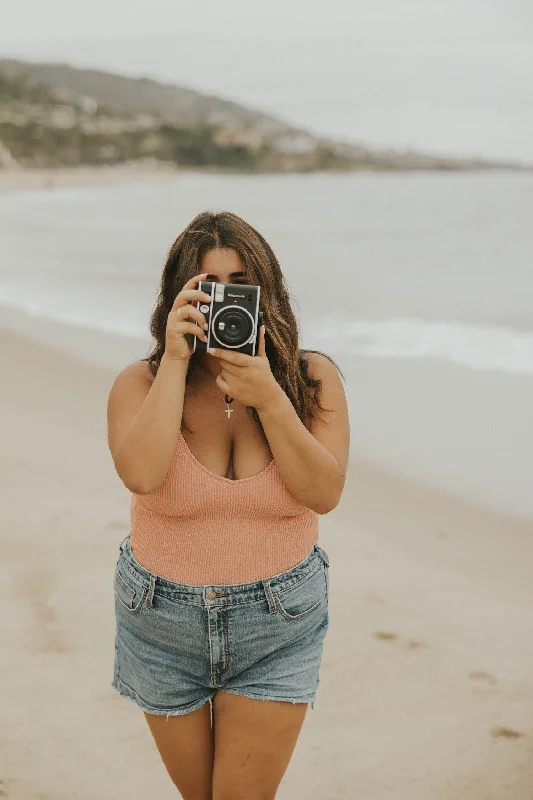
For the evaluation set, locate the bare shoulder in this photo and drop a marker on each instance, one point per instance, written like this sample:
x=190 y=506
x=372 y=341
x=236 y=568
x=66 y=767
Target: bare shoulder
x=332 y=425
x=133 y=381
x=127 y=395
x=319 y=364
x=322 y=368
x=137 y=373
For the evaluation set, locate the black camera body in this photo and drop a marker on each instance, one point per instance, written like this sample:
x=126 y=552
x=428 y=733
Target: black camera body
x=233 y=317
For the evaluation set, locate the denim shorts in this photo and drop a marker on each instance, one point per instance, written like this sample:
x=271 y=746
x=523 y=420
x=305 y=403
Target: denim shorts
x=176 y=643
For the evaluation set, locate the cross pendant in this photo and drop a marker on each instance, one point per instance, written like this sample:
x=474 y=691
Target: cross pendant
x=229 y=411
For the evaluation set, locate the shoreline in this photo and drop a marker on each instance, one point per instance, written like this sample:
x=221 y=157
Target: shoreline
x=12 y=180
x=21 y=179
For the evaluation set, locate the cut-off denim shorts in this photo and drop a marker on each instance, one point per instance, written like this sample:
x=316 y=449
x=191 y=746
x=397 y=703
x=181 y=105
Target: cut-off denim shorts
x=176 y=643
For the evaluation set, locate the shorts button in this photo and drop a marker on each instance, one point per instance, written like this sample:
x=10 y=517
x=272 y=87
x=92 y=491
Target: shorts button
x=211 y=595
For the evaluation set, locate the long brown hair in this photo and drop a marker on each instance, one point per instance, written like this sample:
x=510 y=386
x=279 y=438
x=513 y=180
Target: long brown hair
x=205 y=232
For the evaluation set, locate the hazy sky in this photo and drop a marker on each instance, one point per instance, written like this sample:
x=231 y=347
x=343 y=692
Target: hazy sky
x=453 y=76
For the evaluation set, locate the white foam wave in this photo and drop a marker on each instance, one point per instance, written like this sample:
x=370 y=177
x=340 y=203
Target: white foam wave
x=483 y=347
x=74 y=317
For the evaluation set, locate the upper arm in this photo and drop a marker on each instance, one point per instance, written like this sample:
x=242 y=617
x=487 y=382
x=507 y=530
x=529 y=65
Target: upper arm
x=331 y=427
x=126 y=397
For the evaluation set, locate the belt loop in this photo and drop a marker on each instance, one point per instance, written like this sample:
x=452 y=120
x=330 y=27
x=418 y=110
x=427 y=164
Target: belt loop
x=123 y=542
x=151 y=589
x=269 y=596
x=323 y=555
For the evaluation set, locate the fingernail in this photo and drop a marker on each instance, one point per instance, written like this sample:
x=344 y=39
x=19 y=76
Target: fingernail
x=211 y=349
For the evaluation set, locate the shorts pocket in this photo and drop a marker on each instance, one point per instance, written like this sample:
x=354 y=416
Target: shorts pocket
x=128 y=592
x=307 y=595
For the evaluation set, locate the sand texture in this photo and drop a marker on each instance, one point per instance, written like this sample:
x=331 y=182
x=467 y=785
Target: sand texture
x=426 y=686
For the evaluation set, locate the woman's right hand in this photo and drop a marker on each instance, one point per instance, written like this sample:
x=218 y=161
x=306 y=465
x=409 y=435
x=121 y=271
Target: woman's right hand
x=185 y=318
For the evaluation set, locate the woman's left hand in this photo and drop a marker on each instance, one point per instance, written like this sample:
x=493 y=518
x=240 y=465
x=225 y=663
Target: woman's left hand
x=248 y=378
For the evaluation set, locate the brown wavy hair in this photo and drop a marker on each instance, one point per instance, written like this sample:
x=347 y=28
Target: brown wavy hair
x=205 y=232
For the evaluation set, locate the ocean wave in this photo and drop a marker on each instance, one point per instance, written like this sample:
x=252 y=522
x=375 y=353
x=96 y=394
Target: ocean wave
x=478 y=346
x=77 y=318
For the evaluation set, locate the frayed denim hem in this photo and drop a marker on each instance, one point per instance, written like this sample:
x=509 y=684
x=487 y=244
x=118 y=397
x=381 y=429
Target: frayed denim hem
x=309 y=699
x=130 y=694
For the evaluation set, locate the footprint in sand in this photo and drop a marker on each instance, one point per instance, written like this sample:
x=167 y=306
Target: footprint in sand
x=376 y=598
x=385 y=635
x=389 y=636
x=35 y=587
x=413 y=643
x=3 y=789
x=484 y=680
x=506 y=733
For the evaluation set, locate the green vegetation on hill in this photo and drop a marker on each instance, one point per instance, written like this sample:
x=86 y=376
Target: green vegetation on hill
x=128 y=95
x=40 y=128
x=55 y=115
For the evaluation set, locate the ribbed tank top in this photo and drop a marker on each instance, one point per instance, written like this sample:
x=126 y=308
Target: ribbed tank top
x=204 y=529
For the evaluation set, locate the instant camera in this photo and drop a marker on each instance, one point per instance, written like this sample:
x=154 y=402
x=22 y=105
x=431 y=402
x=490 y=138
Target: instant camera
x=233 y=317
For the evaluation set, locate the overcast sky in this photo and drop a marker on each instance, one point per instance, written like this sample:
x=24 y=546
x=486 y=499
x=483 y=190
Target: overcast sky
x=449 y=76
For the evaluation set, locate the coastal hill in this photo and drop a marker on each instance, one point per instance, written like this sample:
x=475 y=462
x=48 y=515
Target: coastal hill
x=56 y=115
x=143 y=96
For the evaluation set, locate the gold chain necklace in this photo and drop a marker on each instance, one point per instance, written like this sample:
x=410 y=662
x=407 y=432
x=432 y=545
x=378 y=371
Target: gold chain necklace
x=228 y=410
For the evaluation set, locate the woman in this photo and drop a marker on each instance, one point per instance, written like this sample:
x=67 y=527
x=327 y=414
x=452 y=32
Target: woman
x=221 y=591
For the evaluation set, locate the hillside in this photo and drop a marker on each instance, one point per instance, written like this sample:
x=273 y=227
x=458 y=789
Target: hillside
x=56 y=115
x=143 y=96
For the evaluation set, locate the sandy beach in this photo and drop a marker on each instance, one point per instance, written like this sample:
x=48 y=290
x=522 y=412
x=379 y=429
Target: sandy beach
x=426 y=681
x=69 y=177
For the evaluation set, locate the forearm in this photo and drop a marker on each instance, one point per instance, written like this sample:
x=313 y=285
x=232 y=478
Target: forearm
x=147 y=449
x=309 y=471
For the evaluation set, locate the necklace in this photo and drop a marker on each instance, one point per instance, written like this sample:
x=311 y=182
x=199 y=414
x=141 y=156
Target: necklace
x=228 y=410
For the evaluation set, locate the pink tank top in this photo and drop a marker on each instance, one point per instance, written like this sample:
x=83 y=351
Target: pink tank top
x=203 y=529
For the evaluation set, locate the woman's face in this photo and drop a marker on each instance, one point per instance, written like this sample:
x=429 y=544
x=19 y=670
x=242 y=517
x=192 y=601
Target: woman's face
x=223 y=265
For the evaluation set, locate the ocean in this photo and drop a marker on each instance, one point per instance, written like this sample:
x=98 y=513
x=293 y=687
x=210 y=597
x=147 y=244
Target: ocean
x=419 y=285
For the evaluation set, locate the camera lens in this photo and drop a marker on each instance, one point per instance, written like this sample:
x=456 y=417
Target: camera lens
x=233 y=326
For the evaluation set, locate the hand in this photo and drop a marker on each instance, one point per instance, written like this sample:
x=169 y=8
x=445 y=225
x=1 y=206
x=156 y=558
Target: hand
x=184 y=318
x=248 y=378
